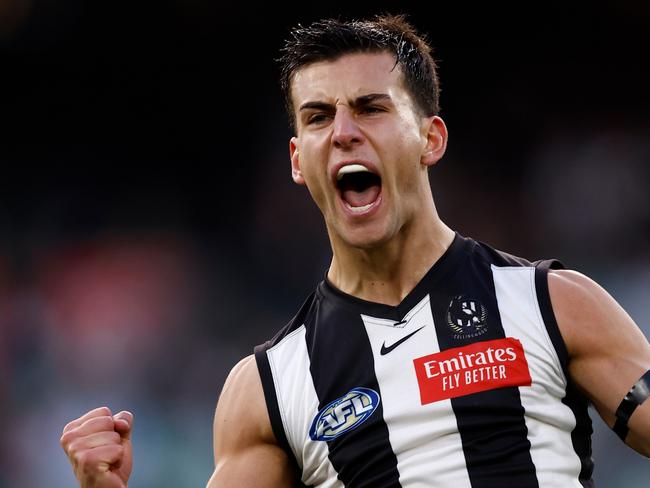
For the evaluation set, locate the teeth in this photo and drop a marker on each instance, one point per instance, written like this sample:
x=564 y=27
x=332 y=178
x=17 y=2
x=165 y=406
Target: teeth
x=360 y=209
x=351 y=168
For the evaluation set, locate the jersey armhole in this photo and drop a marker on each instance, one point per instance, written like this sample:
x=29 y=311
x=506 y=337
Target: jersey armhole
x=270 y=397
x=542 y=269
x=576 y=401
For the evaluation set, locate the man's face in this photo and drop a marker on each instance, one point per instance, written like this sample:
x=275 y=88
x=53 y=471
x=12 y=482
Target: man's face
x=361 y=147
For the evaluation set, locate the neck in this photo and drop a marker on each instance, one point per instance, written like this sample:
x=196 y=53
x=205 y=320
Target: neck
x=387 y=273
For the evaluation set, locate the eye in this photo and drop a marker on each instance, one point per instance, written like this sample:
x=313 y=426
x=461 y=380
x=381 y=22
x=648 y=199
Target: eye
x=317 y=118
x=371 y=109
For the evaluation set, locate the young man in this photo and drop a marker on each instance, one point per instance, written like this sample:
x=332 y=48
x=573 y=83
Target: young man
x=424 y=358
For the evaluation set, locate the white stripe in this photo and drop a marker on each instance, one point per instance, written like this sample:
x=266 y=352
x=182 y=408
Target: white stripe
x=424 y=438
x=548 y=420
x=298 y=403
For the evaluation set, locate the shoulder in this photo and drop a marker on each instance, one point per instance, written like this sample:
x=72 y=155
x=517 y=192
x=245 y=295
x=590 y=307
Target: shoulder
x=299 y=319
x=589 y=318
x=580 y=306
x=241 y=404
x=574 y=295
x=244 y=373
x=490 y=255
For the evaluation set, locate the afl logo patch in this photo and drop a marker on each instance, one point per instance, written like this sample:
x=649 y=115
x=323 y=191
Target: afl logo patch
x=467 y=317
x=344 y=414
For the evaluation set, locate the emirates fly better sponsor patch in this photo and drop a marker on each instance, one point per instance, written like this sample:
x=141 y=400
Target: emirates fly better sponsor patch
x=470 y=369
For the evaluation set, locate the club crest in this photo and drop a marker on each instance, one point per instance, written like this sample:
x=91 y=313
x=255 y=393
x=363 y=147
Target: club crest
x=467 y=317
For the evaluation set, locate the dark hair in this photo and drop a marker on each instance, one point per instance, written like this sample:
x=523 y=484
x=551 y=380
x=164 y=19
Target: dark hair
x=327 y=40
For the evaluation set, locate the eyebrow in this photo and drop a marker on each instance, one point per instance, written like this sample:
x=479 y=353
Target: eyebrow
x=357 y=102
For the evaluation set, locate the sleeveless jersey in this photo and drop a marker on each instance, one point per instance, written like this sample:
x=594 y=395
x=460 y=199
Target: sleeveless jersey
x=463 y=384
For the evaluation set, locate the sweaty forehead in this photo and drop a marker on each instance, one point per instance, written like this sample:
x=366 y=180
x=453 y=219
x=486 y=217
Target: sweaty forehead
x=347 y=78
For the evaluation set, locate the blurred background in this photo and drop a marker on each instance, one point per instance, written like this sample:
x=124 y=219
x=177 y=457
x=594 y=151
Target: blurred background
x=150 y=234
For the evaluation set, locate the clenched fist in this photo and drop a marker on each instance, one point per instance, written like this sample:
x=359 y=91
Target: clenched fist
x=98 y=445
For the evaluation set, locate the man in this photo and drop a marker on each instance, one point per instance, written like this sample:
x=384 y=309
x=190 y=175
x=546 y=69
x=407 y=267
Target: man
x=424 y=358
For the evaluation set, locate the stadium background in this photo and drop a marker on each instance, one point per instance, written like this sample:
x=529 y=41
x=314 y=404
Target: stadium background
x=150 y=234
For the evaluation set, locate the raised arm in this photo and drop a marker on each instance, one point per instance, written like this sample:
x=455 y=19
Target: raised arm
x=608 y=353
x=246 y=454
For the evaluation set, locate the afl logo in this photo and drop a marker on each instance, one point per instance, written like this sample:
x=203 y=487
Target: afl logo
x=344 y=414
x=467 y=317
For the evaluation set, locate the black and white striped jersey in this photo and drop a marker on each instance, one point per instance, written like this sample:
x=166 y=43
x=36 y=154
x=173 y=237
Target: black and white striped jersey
x=463 y=384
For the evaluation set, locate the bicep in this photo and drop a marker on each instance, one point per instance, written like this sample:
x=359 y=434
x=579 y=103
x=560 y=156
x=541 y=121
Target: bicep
x=245 y=450
x=608 y=352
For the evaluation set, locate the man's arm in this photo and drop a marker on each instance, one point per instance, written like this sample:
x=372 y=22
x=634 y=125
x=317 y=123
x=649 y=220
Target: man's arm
x=607 y=351
x=246 y=453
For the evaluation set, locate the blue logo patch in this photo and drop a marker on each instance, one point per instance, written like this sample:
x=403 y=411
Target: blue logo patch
x=344 y=414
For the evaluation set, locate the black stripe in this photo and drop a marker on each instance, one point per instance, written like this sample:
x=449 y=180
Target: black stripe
x=270 y=396
x=576 y=401
x=271 y=399
x=341 y=359
x=491 y=423
x=544 y=301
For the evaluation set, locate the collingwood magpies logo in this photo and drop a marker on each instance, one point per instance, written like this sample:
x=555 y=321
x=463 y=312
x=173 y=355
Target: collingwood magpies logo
x=467 y=317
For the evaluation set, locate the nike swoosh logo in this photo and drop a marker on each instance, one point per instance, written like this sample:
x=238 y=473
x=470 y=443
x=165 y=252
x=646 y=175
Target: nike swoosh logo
x=385 y=350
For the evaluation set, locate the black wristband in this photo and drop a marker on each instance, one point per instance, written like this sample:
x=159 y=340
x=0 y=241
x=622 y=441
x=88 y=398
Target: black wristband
x=635 y=397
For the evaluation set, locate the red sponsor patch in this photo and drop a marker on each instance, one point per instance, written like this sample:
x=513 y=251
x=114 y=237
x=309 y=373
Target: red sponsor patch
x=478 y=367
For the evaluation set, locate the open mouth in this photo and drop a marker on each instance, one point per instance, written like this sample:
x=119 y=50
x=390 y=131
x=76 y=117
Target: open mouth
x=359 y=187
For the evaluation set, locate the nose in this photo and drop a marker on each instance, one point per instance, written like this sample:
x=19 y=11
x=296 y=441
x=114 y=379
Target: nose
x=346 y=132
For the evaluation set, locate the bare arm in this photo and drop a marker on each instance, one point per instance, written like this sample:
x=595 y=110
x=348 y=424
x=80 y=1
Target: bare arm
x=608 y=353
x=246 y=454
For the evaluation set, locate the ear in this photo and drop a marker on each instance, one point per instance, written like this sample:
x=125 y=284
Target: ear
x=436 y=141
x=296 y=174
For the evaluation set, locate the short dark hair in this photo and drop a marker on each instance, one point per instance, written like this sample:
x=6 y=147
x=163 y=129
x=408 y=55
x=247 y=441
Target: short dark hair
x=329 y=39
